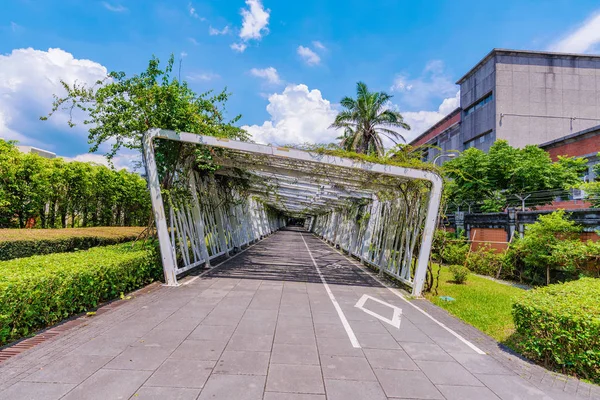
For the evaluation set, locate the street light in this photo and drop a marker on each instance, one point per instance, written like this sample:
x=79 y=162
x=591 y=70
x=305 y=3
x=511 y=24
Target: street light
x=449 y=155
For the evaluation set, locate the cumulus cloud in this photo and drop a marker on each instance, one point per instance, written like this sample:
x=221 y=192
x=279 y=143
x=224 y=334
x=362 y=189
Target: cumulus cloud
x=584 y=39
x=420 y=121
x=433 y=83
x=310 y=57
x=28 y=79
x=202 y=76
x=298 y=115
x=114 y=7
x=128 y=160
x=269 y=74
x=239 y=47
x=318 y=45
x=215 y=32
x=194 y=13
x=255 y=21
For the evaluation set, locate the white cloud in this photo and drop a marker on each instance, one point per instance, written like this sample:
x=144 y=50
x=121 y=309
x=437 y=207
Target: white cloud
x=114 y=7
x=14 y=26
x=254 y=20
x=28 y=79
x=202 y=76
x=434 y=83
x=584 y=39
x=298 y=115
x=183 y=54
x=194 y=13
x=318 y=45
x=127 y=160
x=420 y=121
x=193 y=41
x=215 y=32
x=239 y=47
x=309 y=56
x=269 y=74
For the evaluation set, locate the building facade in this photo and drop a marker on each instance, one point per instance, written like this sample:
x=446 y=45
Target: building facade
x=524 y=97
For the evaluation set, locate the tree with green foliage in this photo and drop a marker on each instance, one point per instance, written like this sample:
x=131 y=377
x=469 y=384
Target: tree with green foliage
x=366 y=119
x=120 y=109
x=490 y=179
x=592 y=189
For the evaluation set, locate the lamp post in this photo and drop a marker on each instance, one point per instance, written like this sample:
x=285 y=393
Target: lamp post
x=449 y=155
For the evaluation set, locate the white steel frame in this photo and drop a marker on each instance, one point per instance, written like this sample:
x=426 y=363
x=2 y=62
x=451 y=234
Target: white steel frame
x=319 y=194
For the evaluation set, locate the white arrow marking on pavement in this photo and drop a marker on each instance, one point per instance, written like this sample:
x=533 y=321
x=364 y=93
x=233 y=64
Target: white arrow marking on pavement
x=395 y=321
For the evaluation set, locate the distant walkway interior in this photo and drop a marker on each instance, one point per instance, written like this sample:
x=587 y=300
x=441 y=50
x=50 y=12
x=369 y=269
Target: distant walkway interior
x=288 y=319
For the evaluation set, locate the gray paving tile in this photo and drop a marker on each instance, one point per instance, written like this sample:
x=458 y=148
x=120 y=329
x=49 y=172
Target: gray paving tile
x=407 y=384
x=330 y=331
x=69 y=369
x=338 y=347
x=256 y=327
x=181 y=373
x=353 y=390
x=109 y=384
x=348 y=368
x=408 y=332
x=35 y=391
x=292 y=396
x=377 y=341
x=448 y=373
x=481 y=364
x=467 y=393
x=161 y=339
x=295 y=379
x=390 y=359
x=302 y=336
x=228 y=387
x=162 y=393
x=139 y=358
x=205 y=350
x=105 y=345
x=243 y=363
x=511 y=387
x=240 y=342
x=212 y=332
x=294 y=354
x=425 y=351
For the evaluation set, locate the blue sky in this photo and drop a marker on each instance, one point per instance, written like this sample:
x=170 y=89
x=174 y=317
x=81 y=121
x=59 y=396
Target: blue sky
x=298 y=58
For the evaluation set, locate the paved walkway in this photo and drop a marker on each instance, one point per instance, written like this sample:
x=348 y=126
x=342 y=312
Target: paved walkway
x=288 y=319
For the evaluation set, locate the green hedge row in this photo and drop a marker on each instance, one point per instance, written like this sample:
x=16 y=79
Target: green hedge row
x=80 y=239
x=559 y=326
x=39 y=291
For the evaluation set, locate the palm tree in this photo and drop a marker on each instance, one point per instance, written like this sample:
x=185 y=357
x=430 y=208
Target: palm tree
x=366 y=119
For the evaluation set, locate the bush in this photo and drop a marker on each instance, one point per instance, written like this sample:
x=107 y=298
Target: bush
x=559 y=326
x=455 y=253
x=485 y=261
x=18 y=243
x=39 y=291
x=459 y=273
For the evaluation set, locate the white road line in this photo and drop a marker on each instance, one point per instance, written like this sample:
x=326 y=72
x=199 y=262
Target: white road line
x=347 y=326
x=397 y=293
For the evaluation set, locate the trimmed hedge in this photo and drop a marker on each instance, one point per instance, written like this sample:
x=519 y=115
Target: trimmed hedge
x=18 y=243
x=39 y=291
x=559 y=326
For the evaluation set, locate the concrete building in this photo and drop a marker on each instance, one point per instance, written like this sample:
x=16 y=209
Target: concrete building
x=35 y=150
x=524 y=97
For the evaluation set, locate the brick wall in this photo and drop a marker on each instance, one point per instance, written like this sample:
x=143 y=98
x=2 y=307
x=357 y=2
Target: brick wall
x=576 y=148
x=437 y=130
x=496 y=235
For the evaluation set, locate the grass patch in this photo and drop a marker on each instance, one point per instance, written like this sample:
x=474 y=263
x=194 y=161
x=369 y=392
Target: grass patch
x=481 y=302
x=39 y=291
x=18 y=243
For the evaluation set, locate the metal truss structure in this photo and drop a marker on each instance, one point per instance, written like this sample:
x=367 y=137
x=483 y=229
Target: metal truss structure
x=383 y=214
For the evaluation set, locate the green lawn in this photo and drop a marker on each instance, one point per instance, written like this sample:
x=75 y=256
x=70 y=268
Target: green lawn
x=481 y=302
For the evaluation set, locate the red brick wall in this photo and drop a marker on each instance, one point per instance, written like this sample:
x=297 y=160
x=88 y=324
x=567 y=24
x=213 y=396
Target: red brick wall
x=575 y=149
x=438 y=130
x=481 y=235
x=566 y=205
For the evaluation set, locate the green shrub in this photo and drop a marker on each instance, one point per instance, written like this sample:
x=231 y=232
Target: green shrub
x=455 y=253
x=460 y=273
x=39 y=291
x=18 y=243
x=485 y=261
x=559 y=326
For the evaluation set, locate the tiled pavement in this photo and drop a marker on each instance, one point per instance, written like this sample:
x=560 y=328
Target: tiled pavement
x=263 y=326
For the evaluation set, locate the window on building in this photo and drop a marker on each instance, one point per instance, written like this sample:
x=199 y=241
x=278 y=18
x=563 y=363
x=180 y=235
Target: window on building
x=480 y=103
x=479 y=140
